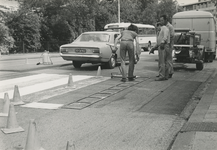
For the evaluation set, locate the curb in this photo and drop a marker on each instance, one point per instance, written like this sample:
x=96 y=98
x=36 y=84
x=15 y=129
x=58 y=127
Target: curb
x=25 y=58
x=33 y=69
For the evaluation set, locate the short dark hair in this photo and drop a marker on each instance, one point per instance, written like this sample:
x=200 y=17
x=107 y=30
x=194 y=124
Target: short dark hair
x=158 y=24
x=164 y=17
x=133 y=28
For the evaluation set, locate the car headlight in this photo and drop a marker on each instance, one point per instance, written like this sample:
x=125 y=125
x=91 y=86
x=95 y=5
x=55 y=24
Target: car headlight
x=63 y=50
x=95 y=50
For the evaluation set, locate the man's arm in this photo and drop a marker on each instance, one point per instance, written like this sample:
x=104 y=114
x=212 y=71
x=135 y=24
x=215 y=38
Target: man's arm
x=116 y=40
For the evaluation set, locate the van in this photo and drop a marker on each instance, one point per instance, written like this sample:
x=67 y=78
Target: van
x=200 y=22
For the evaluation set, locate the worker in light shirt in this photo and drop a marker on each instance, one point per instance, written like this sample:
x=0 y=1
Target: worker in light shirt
x=163 y=40
x=164 y=21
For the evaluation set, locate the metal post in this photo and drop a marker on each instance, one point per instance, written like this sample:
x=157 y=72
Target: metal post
x=119 y=12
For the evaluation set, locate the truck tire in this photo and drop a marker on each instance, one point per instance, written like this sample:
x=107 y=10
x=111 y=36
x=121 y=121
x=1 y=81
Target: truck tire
x=77 y=64
x=199 y=66
x=208 y=57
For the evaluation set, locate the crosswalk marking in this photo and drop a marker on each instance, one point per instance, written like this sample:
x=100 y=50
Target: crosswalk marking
x=39 y=86
x=23 y=79
x=43 y=105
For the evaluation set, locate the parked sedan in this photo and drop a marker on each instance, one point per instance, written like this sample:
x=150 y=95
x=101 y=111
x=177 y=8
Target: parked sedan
x=92 y=47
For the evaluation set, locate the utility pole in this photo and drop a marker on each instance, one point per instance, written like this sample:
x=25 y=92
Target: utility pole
x=119 y=11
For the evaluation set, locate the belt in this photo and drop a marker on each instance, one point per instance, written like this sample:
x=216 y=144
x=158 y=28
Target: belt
x=126 y=40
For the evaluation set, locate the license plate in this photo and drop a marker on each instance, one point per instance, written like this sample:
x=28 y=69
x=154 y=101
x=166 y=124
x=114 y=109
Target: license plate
x=80 y=50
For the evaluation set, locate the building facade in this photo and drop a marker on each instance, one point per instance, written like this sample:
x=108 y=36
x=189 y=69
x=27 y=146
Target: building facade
x=202 y=5
x=9 y=5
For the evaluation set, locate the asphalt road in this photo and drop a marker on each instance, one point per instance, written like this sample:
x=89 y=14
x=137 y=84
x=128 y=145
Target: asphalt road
x=144 y=114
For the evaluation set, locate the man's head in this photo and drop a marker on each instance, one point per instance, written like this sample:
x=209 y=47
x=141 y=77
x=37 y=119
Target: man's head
x=158 y=26
x=133 y=28
x=163 y=19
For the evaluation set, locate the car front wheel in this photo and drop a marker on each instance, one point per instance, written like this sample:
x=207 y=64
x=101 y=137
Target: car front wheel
x=77 y=64
x=111 y=63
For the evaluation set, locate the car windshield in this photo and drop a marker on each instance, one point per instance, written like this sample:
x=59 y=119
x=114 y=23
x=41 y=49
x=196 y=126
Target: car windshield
x=93 y=37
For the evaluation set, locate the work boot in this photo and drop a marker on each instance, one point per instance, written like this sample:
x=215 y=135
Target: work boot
x=170 y=75
x=123 y=80
x=131 y=78
x=160 y=79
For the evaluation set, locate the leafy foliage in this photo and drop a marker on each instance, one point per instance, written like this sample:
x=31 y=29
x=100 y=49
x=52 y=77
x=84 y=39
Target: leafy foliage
x=6 y=41
x=47 y=24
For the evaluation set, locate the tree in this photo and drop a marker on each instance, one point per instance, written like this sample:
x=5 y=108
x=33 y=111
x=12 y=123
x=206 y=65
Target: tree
x=148 y=16
x=167 y=7
x=25 y=28
x=6 y=41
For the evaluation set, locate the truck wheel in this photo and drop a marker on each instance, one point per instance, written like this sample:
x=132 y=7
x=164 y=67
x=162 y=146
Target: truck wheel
x=77 y=64
x=199 y=66
x=111 y=63
x=208 y=57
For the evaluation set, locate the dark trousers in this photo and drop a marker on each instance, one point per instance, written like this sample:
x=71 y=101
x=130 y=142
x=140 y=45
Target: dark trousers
x=127 y=47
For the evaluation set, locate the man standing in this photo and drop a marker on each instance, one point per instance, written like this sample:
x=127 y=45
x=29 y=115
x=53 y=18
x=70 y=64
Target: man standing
x=127 y=46
x=164 y=21
x=163 y=40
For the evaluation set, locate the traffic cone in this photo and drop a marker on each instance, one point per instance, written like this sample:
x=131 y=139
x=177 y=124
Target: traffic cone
x=70 y=81
x=16 y=98
x=6 y=105
x=32 y=142
x=12 y=125
x=99 y=71
x=69 y=147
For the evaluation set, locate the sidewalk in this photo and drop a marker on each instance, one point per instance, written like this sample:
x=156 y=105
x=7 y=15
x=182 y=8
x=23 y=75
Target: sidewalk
x=200 y=131
x=25 y=56
x=27 y=62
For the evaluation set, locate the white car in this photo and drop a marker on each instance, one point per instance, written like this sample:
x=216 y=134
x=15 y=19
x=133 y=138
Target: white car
x=92 y=47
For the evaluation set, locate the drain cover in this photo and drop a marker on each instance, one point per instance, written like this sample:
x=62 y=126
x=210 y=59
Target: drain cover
x=89 y=100
x=200 y=126
x=77 y=105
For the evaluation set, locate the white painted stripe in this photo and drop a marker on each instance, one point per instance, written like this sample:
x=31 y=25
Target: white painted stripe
x=24 y=79
x=43 y=105
x=43 y=86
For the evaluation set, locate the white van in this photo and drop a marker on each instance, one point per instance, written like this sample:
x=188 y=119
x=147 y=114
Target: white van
x=203 y=23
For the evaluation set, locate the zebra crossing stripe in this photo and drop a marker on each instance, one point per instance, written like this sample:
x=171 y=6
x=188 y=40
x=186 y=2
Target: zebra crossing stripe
x=39 y=86
x=16 y=81
x=43 y=105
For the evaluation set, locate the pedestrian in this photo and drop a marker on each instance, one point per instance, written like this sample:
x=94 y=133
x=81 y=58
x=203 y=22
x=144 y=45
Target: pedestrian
x=164 y=21
x=127 y=38
x=163 y=40
x=156 y=47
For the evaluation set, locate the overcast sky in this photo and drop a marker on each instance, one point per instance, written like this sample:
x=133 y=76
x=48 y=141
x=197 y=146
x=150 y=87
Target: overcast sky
x=182 y=2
